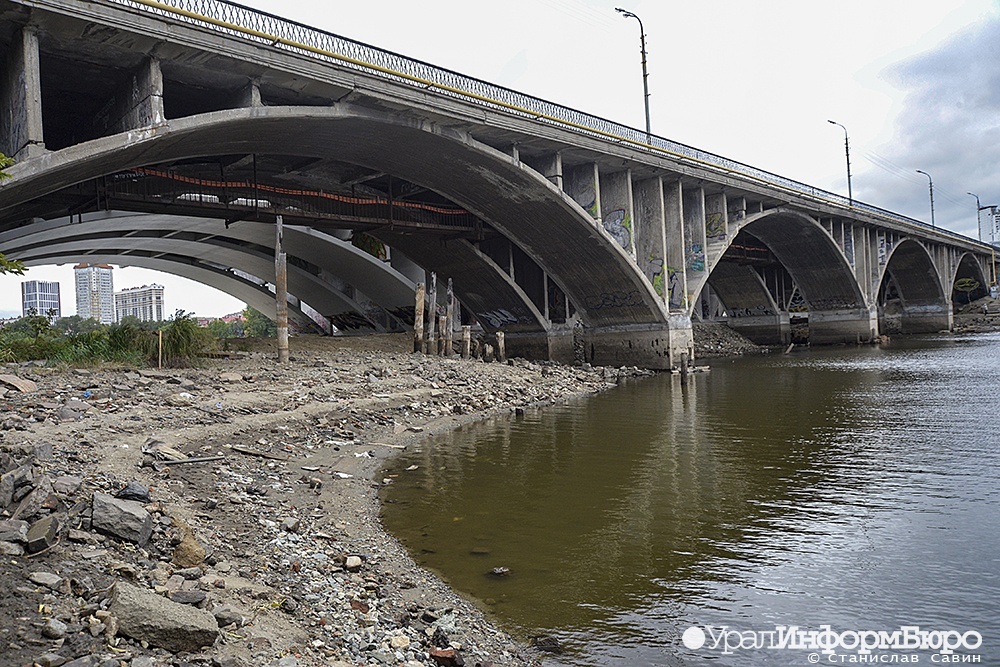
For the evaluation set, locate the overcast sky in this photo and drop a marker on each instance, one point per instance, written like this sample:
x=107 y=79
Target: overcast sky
x=916 y=83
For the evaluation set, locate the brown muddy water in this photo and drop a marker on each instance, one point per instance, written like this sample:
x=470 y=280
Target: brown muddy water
x=843 y=492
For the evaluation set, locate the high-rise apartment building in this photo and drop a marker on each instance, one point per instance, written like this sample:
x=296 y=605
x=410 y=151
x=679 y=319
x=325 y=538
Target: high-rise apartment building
x=94 y=292
x=144 y=302
x=42 y=297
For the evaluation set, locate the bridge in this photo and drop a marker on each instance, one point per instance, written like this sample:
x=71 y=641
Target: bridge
x=172 y=133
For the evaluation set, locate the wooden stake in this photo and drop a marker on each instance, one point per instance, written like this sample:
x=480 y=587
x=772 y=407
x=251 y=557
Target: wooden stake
x=501 y=350
x=442 y=339
x=281 y=291
x=418 y=319
x=449 y=337
x=466 y=341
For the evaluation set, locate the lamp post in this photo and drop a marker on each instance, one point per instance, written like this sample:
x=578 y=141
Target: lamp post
x=930 y=184
x=642 y=49
x=979 y=209
x=847 y=152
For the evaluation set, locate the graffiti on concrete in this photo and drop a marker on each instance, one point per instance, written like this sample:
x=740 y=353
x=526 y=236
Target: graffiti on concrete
x=619 y=224
x=674 y=288
x=611 y=300
x=757 y=311
x=715 y=226
x=849 y=247
x=654 y=269
x=587 y=198
x=696 y=257
x=351 y=321
x=496 y=319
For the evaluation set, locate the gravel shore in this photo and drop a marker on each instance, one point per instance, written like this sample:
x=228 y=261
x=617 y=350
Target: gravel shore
x=227 y=515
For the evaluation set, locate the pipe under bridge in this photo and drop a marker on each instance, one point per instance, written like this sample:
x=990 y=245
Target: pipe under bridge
x=556 y=227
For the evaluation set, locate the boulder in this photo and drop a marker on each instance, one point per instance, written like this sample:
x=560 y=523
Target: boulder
x=145 y=616
x=124 y=519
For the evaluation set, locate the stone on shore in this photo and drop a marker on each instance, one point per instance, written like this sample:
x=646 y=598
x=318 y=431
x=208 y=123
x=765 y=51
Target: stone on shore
x=124 y=519
x=145 y=616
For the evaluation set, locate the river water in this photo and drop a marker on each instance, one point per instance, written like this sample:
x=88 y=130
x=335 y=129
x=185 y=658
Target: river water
x=855 y=488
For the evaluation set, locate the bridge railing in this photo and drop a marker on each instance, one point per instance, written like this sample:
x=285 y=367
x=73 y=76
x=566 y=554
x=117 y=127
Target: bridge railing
x=247 y=23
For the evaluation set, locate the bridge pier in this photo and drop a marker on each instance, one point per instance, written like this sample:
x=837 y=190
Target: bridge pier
x=927 y=319
x=854 y=325
x=656 y=347
x=764 y=329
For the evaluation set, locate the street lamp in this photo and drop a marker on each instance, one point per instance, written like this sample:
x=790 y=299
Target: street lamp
x=979 y=209
x=930 y=184
x=642 y=49
x=847 y=152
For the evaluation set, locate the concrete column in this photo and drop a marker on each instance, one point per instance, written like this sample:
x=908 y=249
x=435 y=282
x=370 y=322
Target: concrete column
x=549 y=166
x=847 y=325
x=645 y=346
x=929 y=318
x=674 y=272
x=137 y=105
x=737 y=210
x=21 y=135
x=616 y=208
x=696 y=259
x=716 y=218
x=582 y=184
x=651 y=233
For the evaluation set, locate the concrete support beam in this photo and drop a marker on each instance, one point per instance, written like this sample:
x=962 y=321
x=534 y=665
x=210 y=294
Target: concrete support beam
x=137 y=105
x=674 y=272
x=248 y=96
x=582 y=184
x=617 y=215
x=21 y=135
x=651 y=233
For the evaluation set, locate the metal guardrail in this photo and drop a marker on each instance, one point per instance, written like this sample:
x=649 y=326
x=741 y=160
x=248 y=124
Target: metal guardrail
x=273 y=31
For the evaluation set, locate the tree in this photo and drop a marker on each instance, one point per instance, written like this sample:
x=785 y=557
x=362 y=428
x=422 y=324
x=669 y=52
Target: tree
x=258 y=325
x=8 y=265
x=967 y=285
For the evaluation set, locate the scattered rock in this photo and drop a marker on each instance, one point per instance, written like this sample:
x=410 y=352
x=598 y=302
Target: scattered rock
x=124 y=519
x=22 y=385
x=145 y=616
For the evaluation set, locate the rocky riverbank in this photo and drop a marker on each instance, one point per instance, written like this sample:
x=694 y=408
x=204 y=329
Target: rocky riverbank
x=227 y=515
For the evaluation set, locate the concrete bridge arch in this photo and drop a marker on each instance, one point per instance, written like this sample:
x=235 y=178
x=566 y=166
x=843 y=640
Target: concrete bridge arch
x=838 y=309
x=609 y=293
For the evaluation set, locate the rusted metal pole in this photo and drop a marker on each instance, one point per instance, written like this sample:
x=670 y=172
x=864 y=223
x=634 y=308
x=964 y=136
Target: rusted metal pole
x=281 y=291
x=418 y=319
